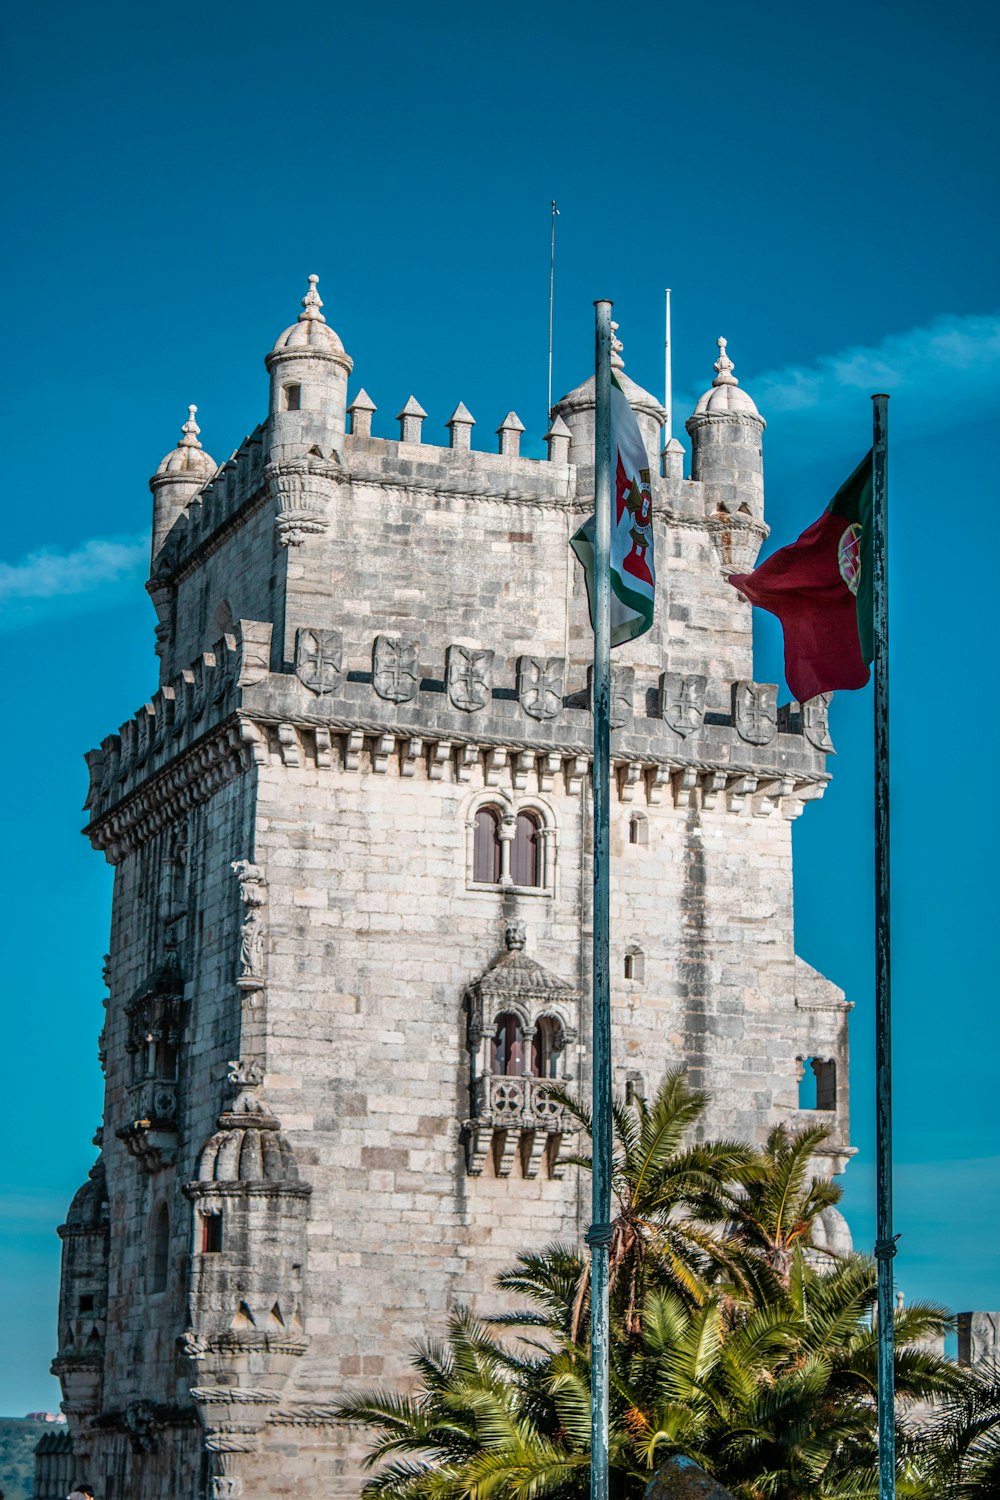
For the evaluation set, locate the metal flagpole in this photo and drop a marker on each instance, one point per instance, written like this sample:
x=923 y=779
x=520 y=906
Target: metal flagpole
x=599 y=1234
x=668 y=383
x=552 y=290
x=885 y=1243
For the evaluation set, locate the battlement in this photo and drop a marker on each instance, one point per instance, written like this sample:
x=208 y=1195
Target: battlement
x=439 y=713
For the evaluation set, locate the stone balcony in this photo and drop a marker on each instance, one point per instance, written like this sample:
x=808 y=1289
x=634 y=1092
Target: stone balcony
x=517 y=1115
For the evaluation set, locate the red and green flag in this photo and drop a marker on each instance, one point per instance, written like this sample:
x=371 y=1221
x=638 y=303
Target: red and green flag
x=820 y=588
x=633 y=582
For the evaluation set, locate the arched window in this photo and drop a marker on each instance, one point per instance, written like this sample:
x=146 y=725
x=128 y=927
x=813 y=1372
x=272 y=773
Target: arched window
x=544 y=1049
x=486 y=847
x=507 y=1046
x=635 y=963
x=159 y=1250
x=638 y=829
x=525 y=861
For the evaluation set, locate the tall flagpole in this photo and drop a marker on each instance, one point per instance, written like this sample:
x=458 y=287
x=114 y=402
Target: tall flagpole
x=599 y=1234
x=552 y=292
x=885 y=1243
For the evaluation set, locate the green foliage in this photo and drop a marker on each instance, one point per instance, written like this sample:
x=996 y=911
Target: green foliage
x=18 y=1439
x=733 y=1342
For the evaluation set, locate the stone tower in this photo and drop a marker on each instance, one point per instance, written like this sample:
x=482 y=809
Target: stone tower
x=350 y=930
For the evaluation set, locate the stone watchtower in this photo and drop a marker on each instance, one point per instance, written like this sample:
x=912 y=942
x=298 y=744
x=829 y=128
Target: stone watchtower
x=350 y=933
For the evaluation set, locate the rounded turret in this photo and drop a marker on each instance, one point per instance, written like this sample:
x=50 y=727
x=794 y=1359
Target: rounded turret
x=182 y=473
x=309 y=370
x=577 y=410
x=726 y=454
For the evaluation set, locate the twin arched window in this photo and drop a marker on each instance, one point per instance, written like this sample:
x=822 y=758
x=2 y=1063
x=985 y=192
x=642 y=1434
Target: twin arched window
x=508 y=1054
x=525 y=849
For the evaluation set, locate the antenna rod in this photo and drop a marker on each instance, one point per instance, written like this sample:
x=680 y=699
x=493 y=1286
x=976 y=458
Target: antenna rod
x=668 y=384
x=552 y=289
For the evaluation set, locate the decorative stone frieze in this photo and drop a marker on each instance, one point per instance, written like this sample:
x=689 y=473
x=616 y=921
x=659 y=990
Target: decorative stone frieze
x=302 y=490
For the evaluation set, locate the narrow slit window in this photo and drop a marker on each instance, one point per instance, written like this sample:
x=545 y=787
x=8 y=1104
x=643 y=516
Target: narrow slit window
x=293 y=397
x=211 y=1234
x=544 y=1048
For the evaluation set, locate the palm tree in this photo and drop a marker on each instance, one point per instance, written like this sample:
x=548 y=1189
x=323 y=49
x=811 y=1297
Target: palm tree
x=666 y=1197
x=775 y=1198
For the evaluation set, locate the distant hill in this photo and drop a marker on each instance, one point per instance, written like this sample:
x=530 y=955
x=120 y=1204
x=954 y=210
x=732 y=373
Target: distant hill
x=17 y=1455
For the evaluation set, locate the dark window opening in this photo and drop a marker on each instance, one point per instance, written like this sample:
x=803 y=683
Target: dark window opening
x=638 y=829
x=486 y=847
x=86 y=1302
x=544 y=1050
x=525 y=862
x=507 y=1046
x=160 y=1250
x=818 y=1083
x=293 y=397
x=211 y=1234
x=635 y=964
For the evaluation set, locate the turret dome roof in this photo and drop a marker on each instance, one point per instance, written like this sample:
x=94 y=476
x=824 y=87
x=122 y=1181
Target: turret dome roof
x=189 y=459
x=724 y=397
x=584 y=395
x=248 y=1146
x=311 y=333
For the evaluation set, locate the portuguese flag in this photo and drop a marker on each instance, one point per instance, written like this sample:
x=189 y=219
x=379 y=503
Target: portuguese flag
x=820 y=588
x=633 y=581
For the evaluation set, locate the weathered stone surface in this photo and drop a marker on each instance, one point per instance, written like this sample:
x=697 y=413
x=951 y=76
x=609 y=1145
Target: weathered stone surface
x=312 y=1148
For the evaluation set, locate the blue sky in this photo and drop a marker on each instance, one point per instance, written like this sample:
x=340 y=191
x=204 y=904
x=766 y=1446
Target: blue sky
x=816 y=183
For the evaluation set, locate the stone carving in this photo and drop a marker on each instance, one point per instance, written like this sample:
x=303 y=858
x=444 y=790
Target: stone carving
x=253 y=892
x=816 y=722
x=193 y=1345
x=396 y=667
x=255 y=651
x=540 y=685
x=302 y=490
x=139 y=1419
x=318 y=657
x=682 y=701
x=469 y=676
x=622 y=689
x=245 y=1073
x=755 y=711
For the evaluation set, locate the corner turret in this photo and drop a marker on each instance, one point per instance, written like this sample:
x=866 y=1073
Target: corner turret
x=182 y=473
x=577 y=410
x=309 y=370
x=727 y=459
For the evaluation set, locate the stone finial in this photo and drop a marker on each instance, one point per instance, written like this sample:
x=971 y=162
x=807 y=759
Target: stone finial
x=509 y=433
x=672 y=460
x=411 y=420
x=617 y=349
x=558 y=439
x=460 y=425
x=514 y=936
x=190 y=431
x=311 y=304
x=360 y=412
x=724 y=367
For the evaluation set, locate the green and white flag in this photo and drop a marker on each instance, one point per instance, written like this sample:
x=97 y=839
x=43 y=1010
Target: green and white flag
x=633 y=581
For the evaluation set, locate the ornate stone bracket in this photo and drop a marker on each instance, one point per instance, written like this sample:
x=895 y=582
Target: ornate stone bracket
x=302 y=490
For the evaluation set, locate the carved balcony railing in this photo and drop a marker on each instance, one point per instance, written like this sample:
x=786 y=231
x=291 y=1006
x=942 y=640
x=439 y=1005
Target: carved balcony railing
x=516 y=1113
x=151 y=1134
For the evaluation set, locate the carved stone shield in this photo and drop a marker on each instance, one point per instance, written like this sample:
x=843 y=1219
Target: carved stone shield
x=622 y=690
x=318 y=656
x=396 y=668
x=540 y=685
x=682 y=701
x=469 y=678
x=816 y=722
x=755 y=711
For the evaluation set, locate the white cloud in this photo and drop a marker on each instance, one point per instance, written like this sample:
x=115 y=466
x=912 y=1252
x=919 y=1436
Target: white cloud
x=50 y=574
x=939 y=376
